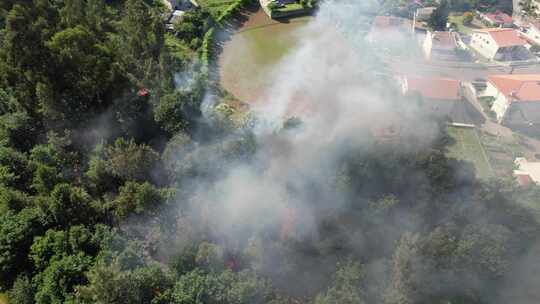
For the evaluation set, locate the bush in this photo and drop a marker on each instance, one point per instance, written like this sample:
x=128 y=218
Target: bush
x=233 y=9
x=206 y=50
x=468 y=18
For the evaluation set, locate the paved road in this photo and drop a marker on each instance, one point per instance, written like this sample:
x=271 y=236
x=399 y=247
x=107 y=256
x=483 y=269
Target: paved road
x=463 y=73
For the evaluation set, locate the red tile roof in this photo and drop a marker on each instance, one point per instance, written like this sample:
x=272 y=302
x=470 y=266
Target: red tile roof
x=390 y=22
x=524 y=179
x=389 y=28
x=499 y=18
x=525 y=87
x=434 y=88
x=504 y=36
x=535 y=24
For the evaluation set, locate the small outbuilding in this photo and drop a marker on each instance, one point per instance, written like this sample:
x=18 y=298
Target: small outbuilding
x=424 y=13
x=497 y=19
x=500 y=44
x=440 y=97
x=440 y=46
x=390 y=30
x=527 y=172
x=516 y=99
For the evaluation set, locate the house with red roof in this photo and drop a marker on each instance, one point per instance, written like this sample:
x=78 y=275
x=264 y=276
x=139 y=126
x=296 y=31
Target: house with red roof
x=440 y=46
x=516 y=99
x=497 y=19
x=527 y=172
x=441 y=97
x=531 y=32
x=390 y=29
x=500 y=44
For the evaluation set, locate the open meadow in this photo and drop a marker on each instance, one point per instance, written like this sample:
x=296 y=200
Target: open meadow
x=249 y=56
x=468 y=147
x=215 y=7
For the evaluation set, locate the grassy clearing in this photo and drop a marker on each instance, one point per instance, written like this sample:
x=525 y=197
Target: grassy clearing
x=249 y=58
x=267 y=52
x=502 y=152
x=291 y=7
x=3 y=298
x=462 y=28
x=215 y=7
x=468 y=147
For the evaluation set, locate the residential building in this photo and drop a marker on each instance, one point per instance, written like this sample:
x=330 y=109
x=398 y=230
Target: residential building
x=536 y=5
x=500 y=44
x=390 y=29
x=442 y=97
x=440 y=46
x=516 y=99
x=531 y=32
x=527 y=172
x=177 y=10
x=182 y=5
x=424 y=13
x=497 y=19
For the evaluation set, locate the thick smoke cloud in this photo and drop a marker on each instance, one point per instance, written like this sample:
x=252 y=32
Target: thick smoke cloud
x=332 y=86
x=347 y=102
x=268 y=205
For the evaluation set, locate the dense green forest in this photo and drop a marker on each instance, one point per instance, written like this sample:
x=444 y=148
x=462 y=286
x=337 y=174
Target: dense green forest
x=103 y=157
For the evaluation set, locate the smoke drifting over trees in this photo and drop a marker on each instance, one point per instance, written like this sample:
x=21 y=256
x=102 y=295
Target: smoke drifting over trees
x=335 y=190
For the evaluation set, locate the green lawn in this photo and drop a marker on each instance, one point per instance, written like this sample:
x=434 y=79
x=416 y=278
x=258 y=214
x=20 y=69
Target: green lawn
x=270 y=43
x=503 y=151
x=251 y=55
x=215 y=7
x=3 y=298
x=458 y=20
x=467 y=146
x=291 y=7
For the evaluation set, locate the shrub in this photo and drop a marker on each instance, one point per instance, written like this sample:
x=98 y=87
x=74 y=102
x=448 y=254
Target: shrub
x=468 y=18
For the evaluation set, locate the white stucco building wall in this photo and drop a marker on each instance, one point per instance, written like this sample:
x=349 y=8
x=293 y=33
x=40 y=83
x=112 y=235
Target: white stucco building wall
x=427 y=45
x=484 y=44
x=500 y=104
x=533 y=34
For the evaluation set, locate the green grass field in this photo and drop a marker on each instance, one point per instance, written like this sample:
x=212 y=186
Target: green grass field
x=267 y=52
x=3 y=298
x=215 y=7
x=248 y=58
x=467 y=147
x=458 y=20
x=291 y=7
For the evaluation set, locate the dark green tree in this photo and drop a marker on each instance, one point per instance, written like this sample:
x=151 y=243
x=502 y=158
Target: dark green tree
x=56 y=283
x=138 y=199
x=22 y=291
x=132 y=162
x=68 y=205
x=178 y=112
x=439 y=17
x=346 y=286
x=17 y=232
